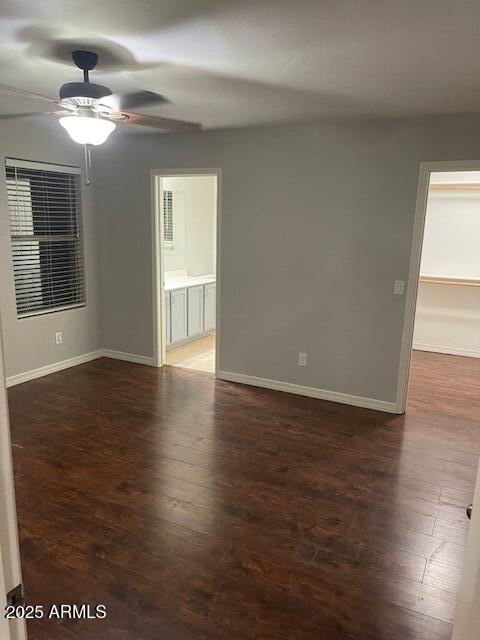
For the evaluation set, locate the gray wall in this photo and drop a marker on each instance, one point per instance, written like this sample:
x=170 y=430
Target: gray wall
x=30 y=342
x=317 y=223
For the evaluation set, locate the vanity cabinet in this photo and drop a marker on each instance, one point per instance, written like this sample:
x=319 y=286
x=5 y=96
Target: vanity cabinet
x=178 y=315
x=189 y=313
x=195 y=310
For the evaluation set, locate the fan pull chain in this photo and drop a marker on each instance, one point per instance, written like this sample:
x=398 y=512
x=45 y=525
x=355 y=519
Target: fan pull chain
x=88 y=163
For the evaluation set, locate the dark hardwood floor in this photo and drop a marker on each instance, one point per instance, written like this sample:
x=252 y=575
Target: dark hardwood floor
x=196 y=509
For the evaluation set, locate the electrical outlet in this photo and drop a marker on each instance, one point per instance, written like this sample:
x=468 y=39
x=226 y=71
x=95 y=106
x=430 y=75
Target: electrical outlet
x=302 y=359
x=399 y=287
x=58 y=337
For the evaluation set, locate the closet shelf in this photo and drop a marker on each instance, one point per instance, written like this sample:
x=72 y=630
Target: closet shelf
x=464 y=281
x=457 y=186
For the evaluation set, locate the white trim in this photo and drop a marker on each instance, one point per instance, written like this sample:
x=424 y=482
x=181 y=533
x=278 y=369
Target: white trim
x=414 y=269
x=73 y=362
x=52 y=368
x=158 y=276
x=453 y=351
x=468 y=598
x=10 y=565
x=4 y=624
x=311 y=392
x=128 y=357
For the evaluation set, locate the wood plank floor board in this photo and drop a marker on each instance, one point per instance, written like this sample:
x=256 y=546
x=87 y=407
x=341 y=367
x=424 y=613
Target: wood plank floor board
x=458 y=469
x=453 y=531
x=463 y=457
x=390 y=534
x=405 y=486
x=442 y=576
x=395 y=587
x=198 y=509
x=456 y=497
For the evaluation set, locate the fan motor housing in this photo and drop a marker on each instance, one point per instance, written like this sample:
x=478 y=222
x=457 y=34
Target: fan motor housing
x=84 y=90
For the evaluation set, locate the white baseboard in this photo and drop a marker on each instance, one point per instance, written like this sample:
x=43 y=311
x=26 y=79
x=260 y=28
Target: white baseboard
x=311 y=392
x=73 y=362
x=52 y=368
x=128 y=357
x=453 y=351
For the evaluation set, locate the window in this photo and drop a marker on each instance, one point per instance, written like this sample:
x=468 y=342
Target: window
x=168 y=232
x=46 y=236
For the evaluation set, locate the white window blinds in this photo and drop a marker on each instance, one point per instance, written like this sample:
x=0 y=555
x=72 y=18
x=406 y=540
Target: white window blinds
x=46 y=236
x=168 y=231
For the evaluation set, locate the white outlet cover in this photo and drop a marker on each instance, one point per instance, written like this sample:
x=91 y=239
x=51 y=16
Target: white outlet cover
x=302 y=359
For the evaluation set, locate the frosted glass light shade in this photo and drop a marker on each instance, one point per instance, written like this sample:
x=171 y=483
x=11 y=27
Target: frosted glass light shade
x=87 y=130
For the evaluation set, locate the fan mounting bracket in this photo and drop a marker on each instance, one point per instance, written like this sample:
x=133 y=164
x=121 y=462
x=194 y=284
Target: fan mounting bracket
x=85 y=60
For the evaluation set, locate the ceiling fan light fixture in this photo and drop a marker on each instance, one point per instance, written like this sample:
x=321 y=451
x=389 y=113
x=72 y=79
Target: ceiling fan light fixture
x=87 y=129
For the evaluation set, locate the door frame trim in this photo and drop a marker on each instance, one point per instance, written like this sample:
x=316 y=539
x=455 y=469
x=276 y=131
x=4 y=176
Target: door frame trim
x=467 y=614
x=10 y=563
x=426 y=168
x=159 y=337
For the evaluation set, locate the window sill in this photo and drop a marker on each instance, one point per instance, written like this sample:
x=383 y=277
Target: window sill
x=44 y=312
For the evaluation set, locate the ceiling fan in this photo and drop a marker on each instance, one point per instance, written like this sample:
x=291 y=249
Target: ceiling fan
x=85 y=110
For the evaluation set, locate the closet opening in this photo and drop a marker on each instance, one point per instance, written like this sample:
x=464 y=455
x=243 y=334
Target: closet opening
x=447 y=315
x=441 y=340
x=446 y=338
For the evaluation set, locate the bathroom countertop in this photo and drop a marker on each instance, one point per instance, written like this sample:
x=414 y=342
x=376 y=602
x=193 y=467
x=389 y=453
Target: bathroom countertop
x=171 y=284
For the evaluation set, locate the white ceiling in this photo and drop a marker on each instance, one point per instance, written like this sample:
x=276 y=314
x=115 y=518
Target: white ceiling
x=245 y=62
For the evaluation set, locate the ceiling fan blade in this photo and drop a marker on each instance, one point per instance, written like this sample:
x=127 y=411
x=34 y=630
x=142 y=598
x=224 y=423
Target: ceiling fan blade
x=138 y=99
x=24 y=92
x=168 y=125
x=12 y=116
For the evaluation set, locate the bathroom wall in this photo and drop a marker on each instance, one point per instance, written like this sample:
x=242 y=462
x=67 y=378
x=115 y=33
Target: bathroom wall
x=194 y=200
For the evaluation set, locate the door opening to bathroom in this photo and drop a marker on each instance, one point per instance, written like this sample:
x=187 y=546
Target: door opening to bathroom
x=186 y=270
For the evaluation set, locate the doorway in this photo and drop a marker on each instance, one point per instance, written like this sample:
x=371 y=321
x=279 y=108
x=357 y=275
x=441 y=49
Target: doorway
x=446 y=338
x=186 y=205
x=443 y=296
x=447 y=317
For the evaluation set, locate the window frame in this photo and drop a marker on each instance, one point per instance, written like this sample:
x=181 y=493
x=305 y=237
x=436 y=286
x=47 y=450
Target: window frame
x=168 y=244
x=62 y=169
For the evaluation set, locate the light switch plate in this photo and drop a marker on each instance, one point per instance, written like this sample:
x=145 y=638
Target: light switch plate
x=399 y=287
